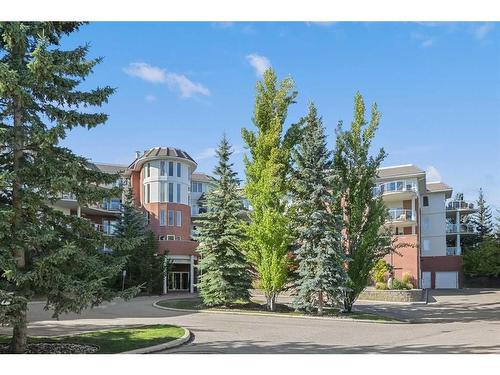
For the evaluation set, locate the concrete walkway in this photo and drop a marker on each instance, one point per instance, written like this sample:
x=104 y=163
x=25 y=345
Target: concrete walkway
x=454 y=330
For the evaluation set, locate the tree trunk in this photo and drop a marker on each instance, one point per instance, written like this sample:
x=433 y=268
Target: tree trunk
x=320 y=303
x=19 y=334
x=271 y=301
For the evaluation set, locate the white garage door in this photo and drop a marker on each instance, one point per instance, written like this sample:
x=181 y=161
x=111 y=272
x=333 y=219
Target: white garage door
x=446 y=280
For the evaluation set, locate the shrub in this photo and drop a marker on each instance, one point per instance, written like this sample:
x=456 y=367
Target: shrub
x=408 y=280
x=381 y=286
x=380 y=270
x=400 y=285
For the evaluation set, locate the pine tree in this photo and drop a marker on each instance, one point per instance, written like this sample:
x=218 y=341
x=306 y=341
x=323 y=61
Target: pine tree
x=482 y=219
x=140 y=247
x=42 y=250
x=321 y=262
x=225 y=272
x=267 y=183
x=364 y=241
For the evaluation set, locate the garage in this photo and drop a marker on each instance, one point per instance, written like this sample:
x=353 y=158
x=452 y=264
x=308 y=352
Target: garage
x=446 y=280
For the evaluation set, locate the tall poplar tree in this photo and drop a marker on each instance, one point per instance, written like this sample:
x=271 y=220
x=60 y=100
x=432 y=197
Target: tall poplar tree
x=225 y=274
x=267 y=183
x=42 y=250
x=364 y=241
x=321 y=273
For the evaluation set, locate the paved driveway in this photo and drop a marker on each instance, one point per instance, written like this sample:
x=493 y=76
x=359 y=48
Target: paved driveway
x=467 y=322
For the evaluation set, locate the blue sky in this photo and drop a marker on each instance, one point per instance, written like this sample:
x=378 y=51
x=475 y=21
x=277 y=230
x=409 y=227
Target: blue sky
x=184 y=84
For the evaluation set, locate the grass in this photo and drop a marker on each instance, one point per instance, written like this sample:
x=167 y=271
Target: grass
x=252 y=306
x=117 y=340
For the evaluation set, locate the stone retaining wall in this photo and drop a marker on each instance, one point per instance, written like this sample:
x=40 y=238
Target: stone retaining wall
x=412 y=295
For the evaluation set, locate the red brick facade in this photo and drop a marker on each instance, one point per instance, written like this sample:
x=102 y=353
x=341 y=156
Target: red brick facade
x=406 y=258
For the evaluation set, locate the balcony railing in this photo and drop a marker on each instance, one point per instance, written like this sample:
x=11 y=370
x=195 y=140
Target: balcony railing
x=451 y=250
x=112 y=205
x=395 y=187
x=459 y=205
x=401 y=214
x=108 y=230
x=460 y=228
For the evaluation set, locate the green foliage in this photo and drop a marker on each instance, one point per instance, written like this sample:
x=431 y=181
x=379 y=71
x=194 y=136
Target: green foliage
x=42 y=250
x=401 y=285
x=483 y=260
x=381 y=286
x=321 y=275
x=267 y=171
x=483 y=218
x=224 y=269
x=364 y=240
x=407 y=279
x=140 y=247
x=381 y=269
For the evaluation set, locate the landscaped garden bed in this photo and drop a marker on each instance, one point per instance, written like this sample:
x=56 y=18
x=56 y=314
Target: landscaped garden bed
x=392 y=295
x=104 y=341
x=196 y=304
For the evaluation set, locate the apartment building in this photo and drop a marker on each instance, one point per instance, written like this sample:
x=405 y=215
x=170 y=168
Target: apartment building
x=426 y=224
x=422 y=218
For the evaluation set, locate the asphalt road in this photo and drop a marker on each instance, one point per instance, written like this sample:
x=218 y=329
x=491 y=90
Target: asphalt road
x=463 y=322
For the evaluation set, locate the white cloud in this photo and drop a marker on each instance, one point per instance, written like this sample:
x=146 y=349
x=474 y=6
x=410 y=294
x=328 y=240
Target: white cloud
x=259 y=63
x=174 y=81
x=150 y=98
x=206 y=154
x=146 y=72
x=432 y=174
x=424 y=40
x=480 y=32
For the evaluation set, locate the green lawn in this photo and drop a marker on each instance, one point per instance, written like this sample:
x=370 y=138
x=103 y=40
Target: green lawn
x=252 y=306
x=118 y=340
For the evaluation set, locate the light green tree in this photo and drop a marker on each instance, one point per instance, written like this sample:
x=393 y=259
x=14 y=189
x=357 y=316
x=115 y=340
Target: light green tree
x=267 y=170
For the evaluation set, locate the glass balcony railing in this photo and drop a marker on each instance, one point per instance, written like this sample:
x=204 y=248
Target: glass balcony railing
x=452 y=250
x=460 y=228
x=459 y=205
x=395 y=187
x=111 y=205
x=107 y=229
x=401 y=214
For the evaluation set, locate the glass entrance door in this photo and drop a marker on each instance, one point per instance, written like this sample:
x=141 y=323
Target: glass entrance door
x=178 y=281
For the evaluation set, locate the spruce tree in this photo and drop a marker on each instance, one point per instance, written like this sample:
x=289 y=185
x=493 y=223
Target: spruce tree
x=225 y=272
x=140 y=247
x=267 y=183
x=43 y=251
x=321 y=274
x=364 y=241
x=482 y=219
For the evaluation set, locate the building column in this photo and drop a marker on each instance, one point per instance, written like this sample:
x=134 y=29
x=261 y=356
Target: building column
x=459 y=248
x=79 y=211
x=165 y=276
x=413 y=212
x=191 y=274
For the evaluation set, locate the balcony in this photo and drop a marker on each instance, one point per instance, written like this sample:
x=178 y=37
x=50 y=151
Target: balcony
x=459 y=205
x=108 y=230
x=460 y=228
x=400 y=189
x=401 y=215
x=451 y=250
x=110 y=205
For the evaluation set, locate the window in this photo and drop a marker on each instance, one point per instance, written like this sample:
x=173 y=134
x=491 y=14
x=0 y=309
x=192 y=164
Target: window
x=162 y=217
x=178 y=218
x=171 y=218
x=163 y=193
x=426 y=201
x=196 y=187
x=147 y=217
x=148 y=170
x=170 y=168
x=178 y=193
x=162 y=168
x=177 y=238
x=161 y=238
x=170 y=237
x=426 y=245
x=147 y=198
x=170 y=191
x=179 y=170
x=426 y=223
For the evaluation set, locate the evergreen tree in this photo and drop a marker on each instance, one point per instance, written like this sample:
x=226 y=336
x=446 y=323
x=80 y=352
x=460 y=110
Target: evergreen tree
x=140 y=247
x=482 y=219
x=267 y=183
x=364 y=241
x=225 y=272
x=42 y=250
x=321 y=261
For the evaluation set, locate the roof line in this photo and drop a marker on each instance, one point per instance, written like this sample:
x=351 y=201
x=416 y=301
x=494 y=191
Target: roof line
x=397 y=166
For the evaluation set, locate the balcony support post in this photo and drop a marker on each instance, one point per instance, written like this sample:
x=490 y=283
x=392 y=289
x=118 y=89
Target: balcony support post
x=79 y=211
x=459 y=249
x=412 y=213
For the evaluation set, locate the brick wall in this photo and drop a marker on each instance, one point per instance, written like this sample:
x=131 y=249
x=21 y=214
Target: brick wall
x=407 y=258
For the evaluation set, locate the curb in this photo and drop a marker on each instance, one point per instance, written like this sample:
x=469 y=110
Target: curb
x=168 y=345
x=155 y=304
